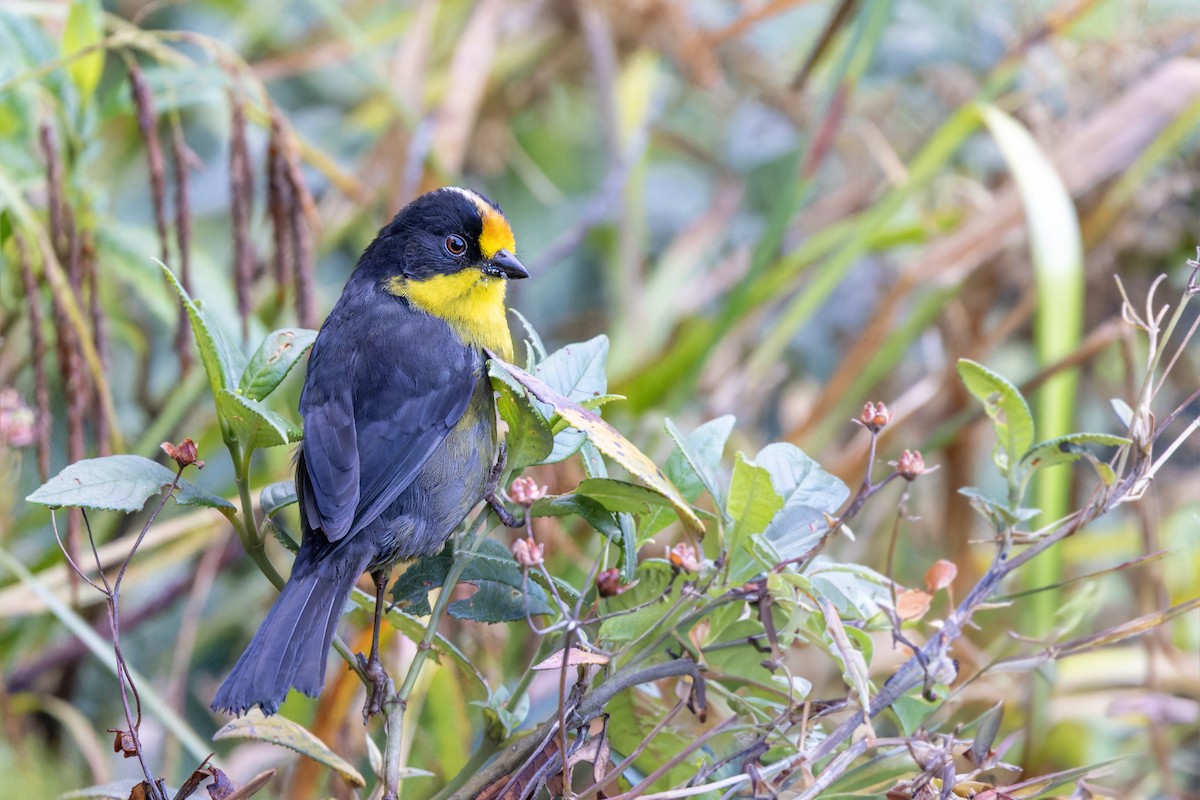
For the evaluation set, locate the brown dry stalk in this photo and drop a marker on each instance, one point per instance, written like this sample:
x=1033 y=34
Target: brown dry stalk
x=143 y=102
x=303 y=213
x=54 y=201
x=279 y=199
x=88 y=262
x=241 y=202
x=183 y=236
x=70 y=359
x=41 y=390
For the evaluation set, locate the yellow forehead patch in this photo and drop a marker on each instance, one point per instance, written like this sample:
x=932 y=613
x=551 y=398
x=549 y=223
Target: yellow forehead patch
x=497 y=234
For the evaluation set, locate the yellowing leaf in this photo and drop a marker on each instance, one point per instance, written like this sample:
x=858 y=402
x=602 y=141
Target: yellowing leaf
x=609 y=441
x=285 y=733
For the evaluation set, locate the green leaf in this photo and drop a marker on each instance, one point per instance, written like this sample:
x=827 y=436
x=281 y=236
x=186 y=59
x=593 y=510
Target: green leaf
x=529 y=439
x=253 y=423
x=492 y=565
x=1006 y=407
x=535 y=351
x=809 y=493
x=411 y=590
x=273 y=360
x=1070 y=448
x=117 y=790
x=281 y=731
x=498 y=602
x=752 y=503
x=275 y=496
x=83 y=30
x=120 y=483
x=607 y=440
x=996 y=511
x=588 y=509
x=911 y=710
x=222 y=361
x=575 y=371
x=283 y=537
x=652 y=578
x=696 y=462
x=856 y=591
x=620 y=496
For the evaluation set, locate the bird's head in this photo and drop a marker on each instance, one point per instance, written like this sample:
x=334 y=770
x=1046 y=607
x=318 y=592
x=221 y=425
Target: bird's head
x=450 y=253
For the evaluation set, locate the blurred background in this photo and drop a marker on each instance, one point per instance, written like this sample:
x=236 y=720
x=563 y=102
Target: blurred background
x=775 y=209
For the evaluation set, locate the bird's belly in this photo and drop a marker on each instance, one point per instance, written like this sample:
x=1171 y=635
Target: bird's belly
x=447 y=488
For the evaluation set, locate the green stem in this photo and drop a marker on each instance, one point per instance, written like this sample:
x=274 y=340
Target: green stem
x=396 y=704
x=252 y=542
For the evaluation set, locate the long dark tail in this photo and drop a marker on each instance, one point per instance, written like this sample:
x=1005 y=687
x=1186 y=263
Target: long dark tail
x=290 y=647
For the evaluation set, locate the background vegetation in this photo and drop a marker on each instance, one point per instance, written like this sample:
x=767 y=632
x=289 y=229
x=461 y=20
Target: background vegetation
x=774 y=210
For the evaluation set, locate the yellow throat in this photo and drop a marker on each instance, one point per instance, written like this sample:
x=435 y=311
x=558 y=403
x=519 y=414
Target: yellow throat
x=471 y=302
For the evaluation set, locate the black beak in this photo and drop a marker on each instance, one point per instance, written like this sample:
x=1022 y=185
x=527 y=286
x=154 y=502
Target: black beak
x=505 y=264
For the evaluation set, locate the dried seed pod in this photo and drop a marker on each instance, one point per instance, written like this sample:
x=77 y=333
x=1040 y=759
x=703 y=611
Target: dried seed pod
x=41 y=392
x=183 y=237
x=143 y=103
x=241 y=203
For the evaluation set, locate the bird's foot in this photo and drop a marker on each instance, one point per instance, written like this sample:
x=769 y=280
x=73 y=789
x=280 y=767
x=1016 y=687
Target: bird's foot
x=380 y=689
x=491 y=492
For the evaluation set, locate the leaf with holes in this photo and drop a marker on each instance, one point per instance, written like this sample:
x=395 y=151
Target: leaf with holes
x=273 y=360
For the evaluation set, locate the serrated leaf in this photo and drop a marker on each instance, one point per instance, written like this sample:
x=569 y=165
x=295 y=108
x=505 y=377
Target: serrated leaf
x=275 y=496
x=81 y=31
x=621 y=496
x=809 y=494
x=1070 y=448
x=752 y=503
x=283 y=537
x=529 y=439
x=609 y=441
x=535 y=350
x=120 y=483
x=282 y=731
x=997 y=511
x=577 y=372
x=856 y=591
x=413 y=587
x=696 y=462
x=491 y=564
x=498 y=602
x=586 y=508
x=222 y=361
x=1005 y=406
x=253 y=423
x=273 y=360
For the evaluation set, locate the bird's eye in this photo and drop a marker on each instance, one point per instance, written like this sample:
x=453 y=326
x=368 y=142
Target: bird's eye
x=455 y=245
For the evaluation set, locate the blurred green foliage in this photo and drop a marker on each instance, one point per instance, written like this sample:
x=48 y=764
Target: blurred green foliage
x=773 y=210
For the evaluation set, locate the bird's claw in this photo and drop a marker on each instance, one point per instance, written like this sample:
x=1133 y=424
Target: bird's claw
x=379 y=686
x=492 y=495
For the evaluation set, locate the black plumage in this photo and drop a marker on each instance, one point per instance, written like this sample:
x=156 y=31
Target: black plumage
x=399 y=440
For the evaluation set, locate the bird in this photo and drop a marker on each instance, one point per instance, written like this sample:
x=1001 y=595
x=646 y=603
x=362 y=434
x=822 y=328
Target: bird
x=400 y=439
